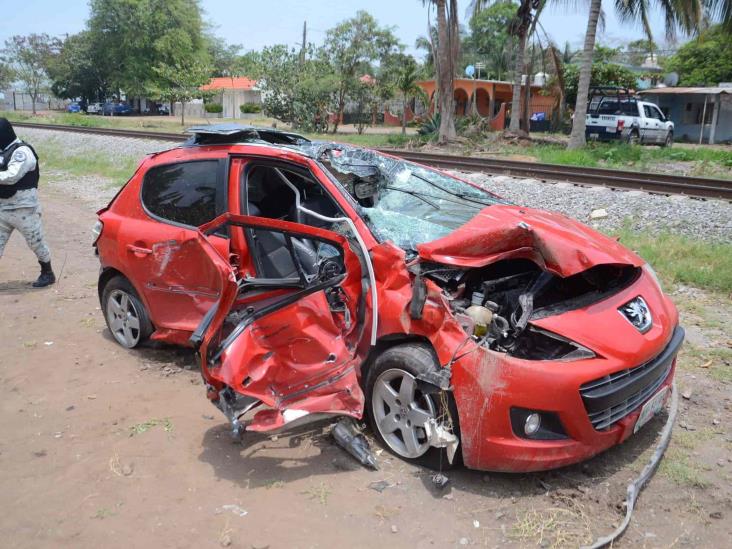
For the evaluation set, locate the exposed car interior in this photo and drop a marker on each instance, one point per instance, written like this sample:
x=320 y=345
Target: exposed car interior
x=268 y=195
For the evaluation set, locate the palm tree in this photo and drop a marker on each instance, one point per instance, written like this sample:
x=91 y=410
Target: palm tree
x=577 y=139
x=683 y=14
x=406 y=83
x=446 y=55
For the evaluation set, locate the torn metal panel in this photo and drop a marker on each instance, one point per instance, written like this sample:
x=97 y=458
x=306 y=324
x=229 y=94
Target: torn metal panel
x=553 y=241
x=294 y=345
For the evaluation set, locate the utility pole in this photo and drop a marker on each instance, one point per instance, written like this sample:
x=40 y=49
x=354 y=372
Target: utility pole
x=304 y=42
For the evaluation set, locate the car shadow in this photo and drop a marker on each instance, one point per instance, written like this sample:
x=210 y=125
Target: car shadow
x=622 y=459
x=17 y=287
x=264 y=459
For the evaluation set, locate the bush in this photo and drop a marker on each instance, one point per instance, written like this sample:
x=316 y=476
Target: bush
x=214 y=108
x=248 y=108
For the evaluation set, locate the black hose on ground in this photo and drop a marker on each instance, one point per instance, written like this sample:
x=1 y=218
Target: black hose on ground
x=635 y=487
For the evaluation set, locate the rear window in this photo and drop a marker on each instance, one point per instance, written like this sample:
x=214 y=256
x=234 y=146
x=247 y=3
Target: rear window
x=190 y=193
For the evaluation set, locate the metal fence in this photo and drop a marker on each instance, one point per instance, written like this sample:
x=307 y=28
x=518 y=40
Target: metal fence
x=21 y=101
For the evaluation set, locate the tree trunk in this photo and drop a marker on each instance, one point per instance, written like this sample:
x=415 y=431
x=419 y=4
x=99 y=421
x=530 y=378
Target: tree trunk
x=182 y=113
x=577 y=138
x=404 y=115
x=341 y=107
x=518 y=70
x=526 y=110
x=445 y=75
x=33 y=103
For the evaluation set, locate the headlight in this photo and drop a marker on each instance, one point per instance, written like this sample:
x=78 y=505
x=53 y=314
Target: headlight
x=653 y=275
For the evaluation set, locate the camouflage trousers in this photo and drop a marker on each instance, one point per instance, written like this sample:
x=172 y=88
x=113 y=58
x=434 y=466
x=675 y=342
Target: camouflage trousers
x=27 y=221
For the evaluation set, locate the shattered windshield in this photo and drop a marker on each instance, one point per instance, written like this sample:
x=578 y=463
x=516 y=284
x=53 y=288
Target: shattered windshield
x=402 y=201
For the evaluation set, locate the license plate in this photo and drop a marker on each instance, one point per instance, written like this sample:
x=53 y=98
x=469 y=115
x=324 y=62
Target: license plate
x=650 y=409
x=594 y=135
x=609 y=130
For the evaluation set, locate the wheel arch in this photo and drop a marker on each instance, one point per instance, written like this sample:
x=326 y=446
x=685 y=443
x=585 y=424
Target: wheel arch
x=107 y=274
x=388 y=341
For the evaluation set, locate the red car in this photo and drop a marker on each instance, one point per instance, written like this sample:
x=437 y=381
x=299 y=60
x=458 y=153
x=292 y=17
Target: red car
x=318 y=279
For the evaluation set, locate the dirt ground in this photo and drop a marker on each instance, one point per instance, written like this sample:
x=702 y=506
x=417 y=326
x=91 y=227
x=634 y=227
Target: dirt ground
x=103 y=447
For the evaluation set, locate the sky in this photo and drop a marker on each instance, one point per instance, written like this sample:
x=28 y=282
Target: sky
x=258 y=23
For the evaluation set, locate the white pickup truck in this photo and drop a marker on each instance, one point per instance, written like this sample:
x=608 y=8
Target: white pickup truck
x=623 y=117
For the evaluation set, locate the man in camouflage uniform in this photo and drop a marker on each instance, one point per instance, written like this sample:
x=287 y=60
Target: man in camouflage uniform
x=19 y=206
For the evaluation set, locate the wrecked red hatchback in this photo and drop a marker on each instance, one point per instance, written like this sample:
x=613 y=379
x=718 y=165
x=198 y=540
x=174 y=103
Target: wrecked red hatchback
x=318 y=279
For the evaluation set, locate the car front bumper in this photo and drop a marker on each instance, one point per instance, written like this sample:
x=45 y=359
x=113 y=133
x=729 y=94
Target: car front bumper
x=488 y=385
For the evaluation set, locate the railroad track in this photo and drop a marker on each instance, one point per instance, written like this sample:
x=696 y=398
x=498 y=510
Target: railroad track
x=701 y=187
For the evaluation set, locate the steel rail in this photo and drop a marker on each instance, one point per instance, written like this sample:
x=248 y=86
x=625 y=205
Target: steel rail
x=700 y=187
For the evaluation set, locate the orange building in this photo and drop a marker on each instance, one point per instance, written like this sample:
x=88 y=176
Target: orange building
x=492 y=99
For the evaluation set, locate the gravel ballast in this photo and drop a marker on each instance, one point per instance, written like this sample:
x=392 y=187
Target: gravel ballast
x=696 y=218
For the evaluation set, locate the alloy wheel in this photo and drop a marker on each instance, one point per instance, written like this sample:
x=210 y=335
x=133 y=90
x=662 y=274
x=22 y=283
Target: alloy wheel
x=123 y=318
x=401 y=411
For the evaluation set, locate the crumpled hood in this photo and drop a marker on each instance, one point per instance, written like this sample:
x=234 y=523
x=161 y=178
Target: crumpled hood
x=557 y=243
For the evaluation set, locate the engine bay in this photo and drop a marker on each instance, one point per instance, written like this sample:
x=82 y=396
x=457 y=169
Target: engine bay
x=496 y=304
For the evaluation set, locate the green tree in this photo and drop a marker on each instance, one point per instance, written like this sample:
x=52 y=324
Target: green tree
x=223 y=58
x=706 y=60
x=351 y=47
x=603 y=74
x=29 y=57
x=75 y=70
x=489 y=37
x=6 y=74
x=406 y=83
x=180 y=83
x=297 y=92
x=135 y=36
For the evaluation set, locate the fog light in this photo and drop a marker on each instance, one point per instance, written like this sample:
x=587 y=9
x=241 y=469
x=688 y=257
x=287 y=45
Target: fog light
x=532 y=424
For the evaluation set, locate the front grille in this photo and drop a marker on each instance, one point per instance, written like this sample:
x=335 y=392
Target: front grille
x=611 y=398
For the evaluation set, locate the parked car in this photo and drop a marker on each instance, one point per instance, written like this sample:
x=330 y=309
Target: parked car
x=322 y=279
x=116 y=109
x=94 y=108
x=73 y=107
x=615 y=114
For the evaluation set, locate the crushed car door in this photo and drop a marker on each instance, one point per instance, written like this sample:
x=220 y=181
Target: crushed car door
x=288 y=344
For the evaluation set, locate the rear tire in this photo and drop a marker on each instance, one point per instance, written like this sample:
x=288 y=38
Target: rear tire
x=397 y=408
x=634 y=138
x=126 y=316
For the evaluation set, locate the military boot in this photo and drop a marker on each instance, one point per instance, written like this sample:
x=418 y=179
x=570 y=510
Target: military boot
x=47 y=277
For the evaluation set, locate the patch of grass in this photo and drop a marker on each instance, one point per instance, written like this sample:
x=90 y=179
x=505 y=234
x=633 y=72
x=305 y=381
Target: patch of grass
x=145 y=426
x=554 y=526
x=103 y=513
x=712 y=162
x=679 y=259
x=718 y=360
x=57 y=158
x=678 y=467
x=689 y=440
x=319 y=492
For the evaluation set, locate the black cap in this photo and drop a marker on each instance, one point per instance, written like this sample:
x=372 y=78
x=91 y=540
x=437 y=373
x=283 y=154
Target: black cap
x=7 y=133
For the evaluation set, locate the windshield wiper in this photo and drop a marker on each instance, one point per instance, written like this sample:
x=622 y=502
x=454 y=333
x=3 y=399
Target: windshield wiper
x=415 y=194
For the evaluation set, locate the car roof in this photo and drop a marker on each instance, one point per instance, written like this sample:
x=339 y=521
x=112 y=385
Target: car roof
x=220 y=134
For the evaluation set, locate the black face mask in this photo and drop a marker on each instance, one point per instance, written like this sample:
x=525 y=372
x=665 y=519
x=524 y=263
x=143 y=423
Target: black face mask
x=7 y=133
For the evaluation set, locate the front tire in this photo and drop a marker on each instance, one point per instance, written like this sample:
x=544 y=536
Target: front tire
x=126 y=316
x=669 y=141
x=398 y=409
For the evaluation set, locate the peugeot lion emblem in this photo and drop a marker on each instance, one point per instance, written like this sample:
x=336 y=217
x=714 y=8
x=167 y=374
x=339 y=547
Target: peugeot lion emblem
x=638 y=314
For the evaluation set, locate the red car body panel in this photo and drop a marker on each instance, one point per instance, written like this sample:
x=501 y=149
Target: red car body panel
x=555 y=242
x=299 y=359
x=303 y=358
